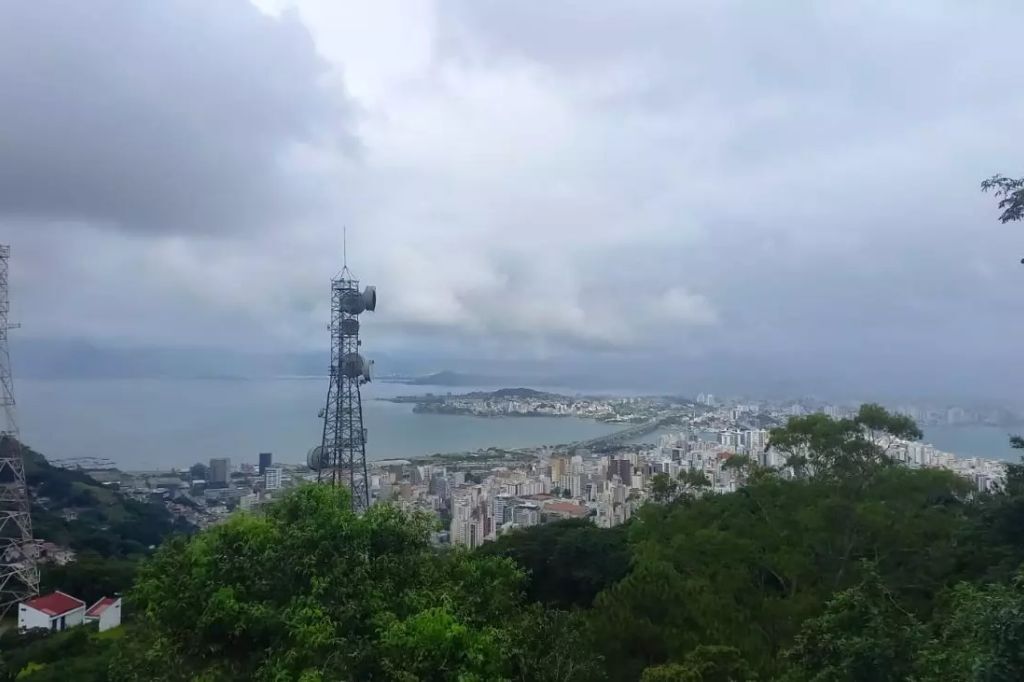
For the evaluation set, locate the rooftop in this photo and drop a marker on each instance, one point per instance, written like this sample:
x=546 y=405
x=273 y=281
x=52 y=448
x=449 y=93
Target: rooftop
x=97 y=609
x=567 y=508
x=55 y=604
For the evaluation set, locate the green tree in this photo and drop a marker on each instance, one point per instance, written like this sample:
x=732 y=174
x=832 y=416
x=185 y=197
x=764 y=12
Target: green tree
x=89 y=577
x=1010 y=192
x=693 y=480
x=748 y=568
x=980 y=638
x=884 y=427
x=41 y=656
x=663 y=488
x=842 y=448
x=435 y=645
x=863 y=636
x=567 y=563
x=552 y=645
x=743 y=465
x=706 y=663
x=310 y=590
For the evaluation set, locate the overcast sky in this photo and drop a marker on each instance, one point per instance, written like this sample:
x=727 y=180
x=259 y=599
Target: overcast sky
x=759 y=189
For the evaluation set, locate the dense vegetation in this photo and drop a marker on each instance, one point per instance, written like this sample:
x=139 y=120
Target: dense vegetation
x=108 y=524
x=111 y=534
x=843 y=567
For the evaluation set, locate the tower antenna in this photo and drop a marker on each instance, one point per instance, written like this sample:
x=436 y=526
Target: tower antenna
x=341 y=457
x=19 y=575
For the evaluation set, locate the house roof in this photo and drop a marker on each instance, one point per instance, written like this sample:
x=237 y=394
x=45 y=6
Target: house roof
x=97 y=609
x=55 y=604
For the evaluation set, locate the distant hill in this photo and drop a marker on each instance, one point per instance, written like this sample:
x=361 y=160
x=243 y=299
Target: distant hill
x=107 y=522
x=520 y=393
x=450 y=378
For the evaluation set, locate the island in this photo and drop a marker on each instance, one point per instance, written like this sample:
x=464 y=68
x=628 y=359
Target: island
x=528 y=402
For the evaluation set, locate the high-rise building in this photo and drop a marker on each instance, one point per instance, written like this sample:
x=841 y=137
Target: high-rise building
x=272 y=478
x=576 y=464
x=502 y=508
x=266 y=460
x=559 y=467
x=526 y=514
x=220 y=469
x=622 y=468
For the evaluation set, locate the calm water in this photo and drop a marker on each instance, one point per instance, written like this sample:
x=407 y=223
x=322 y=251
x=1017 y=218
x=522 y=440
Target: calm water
x=163 y=423
x=974 y=441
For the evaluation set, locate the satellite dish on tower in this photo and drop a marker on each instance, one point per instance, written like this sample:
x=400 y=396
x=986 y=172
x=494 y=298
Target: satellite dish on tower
x=353 y=302
x=355 y=366
x=315 y=458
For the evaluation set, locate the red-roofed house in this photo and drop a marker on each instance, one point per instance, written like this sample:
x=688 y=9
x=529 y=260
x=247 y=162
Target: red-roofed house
x=55 y=611
x=106 y=612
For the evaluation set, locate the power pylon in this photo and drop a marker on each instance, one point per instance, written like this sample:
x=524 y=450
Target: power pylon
x=19 y=575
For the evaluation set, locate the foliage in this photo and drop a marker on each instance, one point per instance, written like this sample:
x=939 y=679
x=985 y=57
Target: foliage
x=748 y=568
x=663 y=488
x=751 y=567
x=693 y=480
x=311 y=590
x=981 y=638
x=863 y=636
x=1010 y=193
x=845 y=449
x=89 y=577
x=108 y=523
x=80 y=654
x=847 y=568
x=567 y=563
x=706 y=663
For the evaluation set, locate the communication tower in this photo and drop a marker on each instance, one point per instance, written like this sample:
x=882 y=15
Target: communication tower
x=341 y=457
x=19 y=575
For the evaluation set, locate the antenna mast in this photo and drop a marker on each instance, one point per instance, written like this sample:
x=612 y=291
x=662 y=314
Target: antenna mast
x=19 y=575
x=341 y=457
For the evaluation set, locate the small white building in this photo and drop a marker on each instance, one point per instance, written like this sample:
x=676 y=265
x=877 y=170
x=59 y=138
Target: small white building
x=56 y=611
x=106 y=612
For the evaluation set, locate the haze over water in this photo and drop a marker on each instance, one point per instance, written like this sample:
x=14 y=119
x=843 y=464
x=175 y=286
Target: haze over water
x=143 y=424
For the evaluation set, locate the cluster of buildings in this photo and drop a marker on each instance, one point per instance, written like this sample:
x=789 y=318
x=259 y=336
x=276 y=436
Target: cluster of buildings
x=928 y=415
x=525 y=403
x=479 y=496
x=207 y=493
x=479 y=500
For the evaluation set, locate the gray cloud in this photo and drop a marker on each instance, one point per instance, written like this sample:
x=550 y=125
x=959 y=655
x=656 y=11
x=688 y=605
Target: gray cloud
x=176 y=116
x=688 y=190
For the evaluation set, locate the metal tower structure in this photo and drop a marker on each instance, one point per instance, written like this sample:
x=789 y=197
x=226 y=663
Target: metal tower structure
x=19 y=575
x=341 y=457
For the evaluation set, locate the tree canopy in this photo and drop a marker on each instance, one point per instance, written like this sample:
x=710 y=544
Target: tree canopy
x=848 y=567
x=312 y=591
x=1010 y=192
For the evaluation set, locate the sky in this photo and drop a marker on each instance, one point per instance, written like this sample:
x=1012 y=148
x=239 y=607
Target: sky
x=742 y=195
